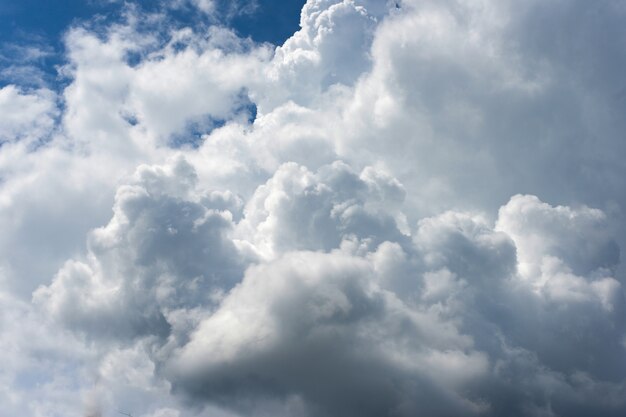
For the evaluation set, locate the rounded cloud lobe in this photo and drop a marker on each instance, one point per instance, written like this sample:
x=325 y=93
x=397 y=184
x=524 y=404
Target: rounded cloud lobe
x=408 y=208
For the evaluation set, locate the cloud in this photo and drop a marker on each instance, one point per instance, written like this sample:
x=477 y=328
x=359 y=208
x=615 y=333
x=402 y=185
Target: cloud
x=299 y=210
x=580 y=237
x=459 y=331
x=207 y=6
x=173 y=241
x=435 y=325
x=332 y=47
x=34 y=378
x=26 y=116
x=313 y=326
x=189 y=78
x=407 y=208
x=471 y=105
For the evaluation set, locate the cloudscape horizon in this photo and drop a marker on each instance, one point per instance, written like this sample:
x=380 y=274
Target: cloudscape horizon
x=330 y=208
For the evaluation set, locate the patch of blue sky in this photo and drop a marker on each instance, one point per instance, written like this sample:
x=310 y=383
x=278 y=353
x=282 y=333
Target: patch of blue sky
x=31 y=31
x=197 y=129
x=194 y=133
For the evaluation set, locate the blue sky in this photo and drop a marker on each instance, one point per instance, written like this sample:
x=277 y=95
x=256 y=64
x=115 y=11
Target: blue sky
x=43 y=23
x=273 y=20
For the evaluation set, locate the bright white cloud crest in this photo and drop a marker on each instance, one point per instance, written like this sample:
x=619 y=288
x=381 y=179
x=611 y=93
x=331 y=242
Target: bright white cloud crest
x=408 y=208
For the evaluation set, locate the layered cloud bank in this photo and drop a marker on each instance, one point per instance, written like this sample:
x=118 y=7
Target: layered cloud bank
x=408 y=208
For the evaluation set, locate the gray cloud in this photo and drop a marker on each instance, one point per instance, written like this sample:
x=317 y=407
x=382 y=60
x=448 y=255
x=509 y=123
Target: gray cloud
x=466 y=334
x=313 y=326
x=165 y=248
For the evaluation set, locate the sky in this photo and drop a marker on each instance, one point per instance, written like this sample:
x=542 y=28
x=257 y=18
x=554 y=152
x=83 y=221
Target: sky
x=315 y=208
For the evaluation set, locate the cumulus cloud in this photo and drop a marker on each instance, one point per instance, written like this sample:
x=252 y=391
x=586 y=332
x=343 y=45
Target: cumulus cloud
x=173 y=242
x=316 y=327
x=407 y=208
x=26 y=116
x=299 y=210
x=579 y=237
x=190 y=78
x=448 y=326
x=332 y=47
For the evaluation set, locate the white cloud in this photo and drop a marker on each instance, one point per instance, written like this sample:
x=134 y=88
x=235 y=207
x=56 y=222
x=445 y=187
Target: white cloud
x=332 y=47
x=580 y=237
x=207 y=6
x=299 y=210
x=28 y=116
x=425 y=217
